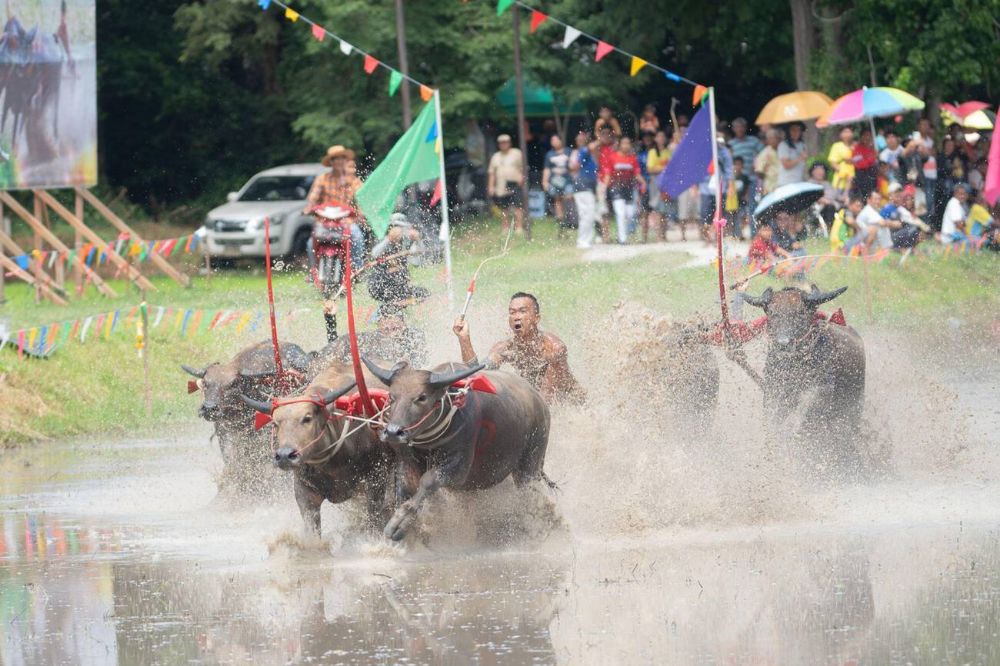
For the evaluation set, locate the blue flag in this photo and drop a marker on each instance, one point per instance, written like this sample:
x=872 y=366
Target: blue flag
x=689 y=163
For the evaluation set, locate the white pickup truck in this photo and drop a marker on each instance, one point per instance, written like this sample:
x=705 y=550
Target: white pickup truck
x=236 y=229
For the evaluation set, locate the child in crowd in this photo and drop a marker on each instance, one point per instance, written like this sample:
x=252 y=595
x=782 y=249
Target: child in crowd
x=741 y=189
x=763 y=248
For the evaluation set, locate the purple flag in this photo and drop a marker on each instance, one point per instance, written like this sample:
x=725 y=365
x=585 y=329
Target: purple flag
x=689 y=163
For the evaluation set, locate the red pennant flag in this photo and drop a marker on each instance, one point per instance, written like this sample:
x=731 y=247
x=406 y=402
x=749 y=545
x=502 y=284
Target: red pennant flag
x=370 y=64
x=437 y=193
x=318 y=32
x=537 y=18
x=603 y=49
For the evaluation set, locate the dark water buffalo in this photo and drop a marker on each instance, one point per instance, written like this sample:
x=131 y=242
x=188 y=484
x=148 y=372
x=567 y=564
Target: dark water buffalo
x=815 y=368
x=250 y=372
x=474 y=446
x=328 y=463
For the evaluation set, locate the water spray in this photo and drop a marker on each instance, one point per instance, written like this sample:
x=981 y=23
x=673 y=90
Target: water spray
x=472 y=283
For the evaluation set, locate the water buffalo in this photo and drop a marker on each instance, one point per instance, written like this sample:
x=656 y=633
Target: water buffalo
x=251 y=371
x=816 y=367
x=469 y=445
x=332 y=458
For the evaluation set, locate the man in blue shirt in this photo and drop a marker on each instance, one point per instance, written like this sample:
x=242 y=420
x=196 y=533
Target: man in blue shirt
x=583 y=166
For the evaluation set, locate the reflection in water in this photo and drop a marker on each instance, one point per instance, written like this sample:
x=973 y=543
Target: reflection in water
x=919 y=596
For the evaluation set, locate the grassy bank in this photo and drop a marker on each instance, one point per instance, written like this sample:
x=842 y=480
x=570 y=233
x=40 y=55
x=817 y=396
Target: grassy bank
x=98 y=386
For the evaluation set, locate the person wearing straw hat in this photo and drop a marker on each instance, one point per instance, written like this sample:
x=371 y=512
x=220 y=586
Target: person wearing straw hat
x=341 y=185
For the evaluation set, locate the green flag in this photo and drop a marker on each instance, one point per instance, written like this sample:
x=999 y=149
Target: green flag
x=395 y=78
x=413 y=159
x=503 y=5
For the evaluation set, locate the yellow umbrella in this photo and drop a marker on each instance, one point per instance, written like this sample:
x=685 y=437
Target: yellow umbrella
x=801 y=105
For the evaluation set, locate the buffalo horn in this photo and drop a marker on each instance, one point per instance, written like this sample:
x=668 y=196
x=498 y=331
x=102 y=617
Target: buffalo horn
x=331 y=396
x=440 y=380
x=256 y=375
x=759 y=301
x=816 y=297
x=200 y=374
x=262 y=407
x=384 y=376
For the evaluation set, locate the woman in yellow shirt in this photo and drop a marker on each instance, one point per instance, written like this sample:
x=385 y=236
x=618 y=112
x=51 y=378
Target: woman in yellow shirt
x=656 y=161
x=840 y=157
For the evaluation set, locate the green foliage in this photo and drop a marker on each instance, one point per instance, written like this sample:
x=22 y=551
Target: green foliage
x=195 y=96
x=935 y=49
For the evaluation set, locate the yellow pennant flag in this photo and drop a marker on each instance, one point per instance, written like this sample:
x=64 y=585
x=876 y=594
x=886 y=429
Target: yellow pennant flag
x=244 y=320
x=291 y=14
x=32 y=334
x=637 y=64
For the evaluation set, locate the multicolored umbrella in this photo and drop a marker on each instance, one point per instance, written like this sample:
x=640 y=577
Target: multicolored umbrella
x=956 y=112
x=867 y=104
x=801 y=105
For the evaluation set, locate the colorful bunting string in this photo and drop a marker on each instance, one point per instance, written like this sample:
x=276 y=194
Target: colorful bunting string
x=43 y=340
x=572 y=33
x=320 y=33
x=123 y=246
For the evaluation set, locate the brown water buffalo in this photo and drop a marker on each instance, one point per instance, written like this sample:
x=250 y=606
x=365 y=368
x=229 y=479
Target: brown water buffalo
x=815 y=368
x=472 y=445
x=328 y=463
x=251 y=371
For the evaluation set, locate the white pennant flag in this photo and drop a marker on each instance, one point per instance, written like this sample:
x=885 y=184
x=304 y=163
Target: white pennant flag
x=159 y=316
x=86 y=325
x=570 y=36
x=345 y=48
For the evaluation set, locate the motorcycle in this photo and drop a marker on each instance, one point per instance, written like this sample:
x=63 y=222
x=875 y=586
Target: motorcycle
x=332 y=227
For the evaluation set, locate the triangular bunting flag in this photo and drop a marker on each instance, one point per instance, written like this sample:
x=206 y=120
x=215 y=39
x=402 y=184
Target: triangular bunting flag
x=699 y=93
x=603 y=49
x=345 y=48
x=264 y=4
x=503 y=5
x=395 y=78
x=672 y=77
x=426 y=93
x=437 y=193
x=370 y=64
x=570 y=36
x=291 y=14
x=537 y=18
x=637 y=64
x=318 y=32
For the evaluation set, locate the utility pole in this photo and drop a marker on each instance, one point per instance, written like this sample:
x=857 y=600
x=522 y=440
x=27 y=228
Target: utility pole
x=521 y=140
x=404 y=65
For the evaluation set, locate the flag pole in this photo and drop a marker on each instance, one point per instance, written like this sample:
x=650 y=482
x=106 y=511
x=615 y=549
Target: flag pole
x=718 y=219
x=445 y=233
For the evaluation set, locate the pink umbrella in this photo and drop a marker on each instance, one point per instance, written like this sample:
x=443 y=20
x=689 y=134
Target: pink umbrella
x=964 y=109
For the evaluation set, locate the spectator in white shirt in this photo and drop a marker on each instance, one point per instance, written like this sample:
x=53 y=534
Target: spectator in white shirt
x=953 y=222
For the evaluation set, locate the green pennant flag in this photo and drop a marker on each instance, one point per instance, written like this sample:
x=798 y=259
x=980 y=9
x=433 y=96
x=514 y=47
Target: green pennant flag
x=413 y=159
x=394 y=80
x=503 y=5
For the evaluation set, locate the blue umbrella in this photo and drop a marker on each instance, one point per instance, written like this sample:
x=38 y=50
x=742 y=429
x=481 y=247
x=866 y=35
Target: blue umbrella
x=792 y=198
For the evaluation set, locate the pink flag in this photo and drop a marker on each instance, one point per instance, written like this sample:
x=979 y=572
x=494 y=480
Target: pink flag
x=603 y=49
x=991 y=188
x=318 y=32
x=437 y=193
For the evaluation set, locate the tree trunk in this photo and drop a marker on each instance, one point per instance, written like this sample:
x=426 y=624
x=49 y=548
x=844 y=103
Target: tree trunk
x=803 y=34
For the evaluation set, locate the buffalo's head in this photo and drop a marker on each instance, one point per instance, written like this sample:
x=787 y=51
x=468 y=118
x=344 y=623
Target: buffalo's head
x=304 y=431
x=221 y=384
x=791 y=311
x=414 y=397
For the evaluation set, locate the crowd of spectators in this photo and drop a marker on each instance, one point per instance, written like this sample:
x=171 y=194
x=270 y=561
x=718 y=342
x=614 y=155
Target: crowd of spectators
x=883 y=190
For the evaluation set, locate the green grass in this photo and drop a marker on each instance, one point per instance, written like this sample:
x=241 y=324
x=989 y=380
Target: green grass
x=98 y=386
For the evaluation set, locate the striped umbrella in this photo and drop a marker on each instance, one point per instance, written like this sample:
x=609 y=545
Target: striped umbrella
x=868 y=104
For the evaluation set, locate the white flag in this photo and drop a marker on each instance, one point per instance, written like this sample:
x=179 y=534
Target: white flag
x=570 y=36
x=159 y=316
x=345 y=48
x=83 y=332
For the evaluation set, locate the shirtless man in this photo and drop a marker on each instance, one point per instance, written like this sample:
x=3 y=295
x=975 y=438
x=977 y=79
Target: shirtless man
x=537 y=356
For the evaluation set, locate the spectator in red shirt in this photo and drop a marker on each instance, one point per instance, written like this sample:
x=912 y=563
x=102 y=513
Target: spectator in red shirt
x=621 y=176
x=763 y=248
x=607 y=144
x=865 y=164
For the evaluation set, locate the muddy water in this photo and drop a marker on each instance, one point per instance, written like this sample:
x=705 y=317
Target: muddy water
x=668 y=552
